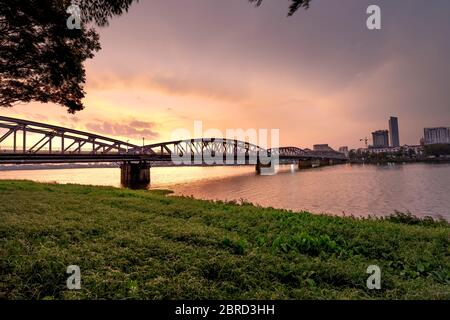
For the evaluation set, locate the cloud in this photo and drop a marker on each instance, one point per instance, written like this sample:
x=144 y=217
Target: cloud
x=32 y=116
x=178 y=85
x=320 y=75
x=131 y=129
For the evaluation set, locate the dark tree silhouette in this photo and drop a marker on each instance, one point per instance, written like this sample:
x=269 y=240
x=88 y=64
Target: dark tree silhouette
x=41 y=59
x=295 y=5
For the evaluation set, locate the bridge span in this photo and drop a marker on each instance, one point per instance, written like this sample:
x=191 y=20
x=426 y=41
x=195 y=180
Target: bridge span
x=30 y=142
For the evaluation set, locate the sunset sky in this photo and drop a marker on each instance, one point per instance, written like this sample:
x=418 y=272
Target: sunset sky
x=319 y=76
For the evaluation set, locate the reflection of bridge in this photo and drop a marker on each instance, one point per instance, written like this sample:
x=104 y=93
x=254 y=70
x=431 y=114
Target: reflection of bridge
x=27 y=142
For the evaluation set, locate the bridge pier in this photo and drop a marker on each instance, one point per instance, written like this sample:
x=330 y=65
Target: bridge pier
x=304 y=164
x=267 y=168
x=315 y=163
x=135 y=174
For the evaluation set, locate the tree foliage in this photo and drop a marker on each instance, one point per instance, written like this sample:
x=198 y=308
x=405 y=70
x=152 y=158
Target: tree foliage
x=41 y=59
x=295 y=5
x=439 y=149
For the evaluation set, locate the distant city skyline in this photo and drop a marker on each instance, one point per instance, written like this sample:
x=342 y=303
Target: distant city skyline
x=320 y=76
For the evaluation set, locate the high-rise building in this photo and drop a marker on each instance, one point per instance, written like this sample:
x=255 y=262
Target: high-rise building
x=436 y=135
x=380 y=139
x=393 y=132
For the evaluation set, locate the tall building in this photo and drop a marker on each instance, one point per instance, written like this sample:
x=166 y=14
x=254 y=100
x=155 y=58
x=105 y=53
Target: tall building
x=393 y=132
x=380 y=139
x=436 y=135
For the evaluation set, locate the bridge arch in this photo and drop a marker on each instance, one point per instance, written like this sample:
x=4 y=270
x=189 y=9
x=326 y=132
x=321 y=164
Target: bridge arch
x=202 y=145
x=71 y=140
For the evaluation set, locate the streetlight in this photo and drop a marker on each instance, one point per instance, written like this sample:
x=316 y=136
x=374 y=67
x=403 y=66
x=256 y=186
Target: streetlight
x=143 y=144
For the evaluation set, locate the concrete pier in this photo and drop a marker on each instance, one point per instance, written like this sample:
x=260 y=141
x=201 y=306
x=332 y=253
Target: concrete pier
x=304 y=164
x=315 y=163
x=135 y=174
x=265 y=168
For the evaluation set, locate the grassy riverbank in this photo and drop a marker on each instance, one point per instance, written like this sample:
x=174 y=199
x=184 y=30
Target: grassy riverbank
x=147 y=245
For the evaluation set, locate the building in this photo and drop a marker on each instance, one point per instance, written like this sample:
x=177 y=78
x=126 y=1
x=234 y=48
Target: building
x=322 y=147
x=344 y=150
x=418 y=149
x=436 y=135
x=406 y=149
x=387 y=150
x=380 y=139
x=393 y=132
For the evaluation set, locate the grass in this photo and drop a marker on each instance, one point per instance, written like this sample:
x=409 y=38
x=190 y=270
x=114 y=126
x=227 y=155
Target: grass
x=147 y=245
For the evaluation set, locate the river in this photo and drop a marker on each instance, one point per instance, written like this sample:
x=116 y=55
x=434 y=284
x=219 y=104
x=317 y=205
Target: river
x=360 y=190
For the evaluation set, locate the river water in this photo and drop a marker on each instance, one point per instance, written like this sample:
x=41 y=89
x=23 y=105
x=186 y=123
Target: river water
x=360 y=190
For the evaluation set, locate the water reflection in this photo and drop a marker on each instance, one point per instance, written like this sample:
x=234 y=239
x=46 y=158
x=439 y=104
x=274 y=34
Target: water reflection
x=359 y=190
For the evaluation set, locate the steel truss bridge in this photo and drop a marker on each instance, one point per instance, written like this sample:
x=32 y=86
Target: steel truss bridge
x=54 y=144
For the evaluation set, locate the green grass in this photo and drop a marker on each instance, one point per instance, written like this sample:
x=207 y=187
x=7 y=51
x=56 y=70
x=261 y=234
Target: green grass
x=148 y=245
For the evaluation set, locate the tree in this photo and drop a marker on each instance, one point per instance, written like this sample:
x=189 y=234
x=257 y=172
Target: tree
x=41 y=59
x=440 y=149
x=352 y=154
x=295 y=5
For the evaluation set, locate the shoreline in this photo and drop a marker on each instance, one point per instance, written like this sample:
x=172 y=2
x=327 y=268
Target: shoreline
x=402 y=161
x=33 y=167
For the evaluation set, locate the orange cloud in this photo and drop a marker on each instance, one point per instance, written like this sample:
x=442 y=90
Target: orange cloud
x=131 y=129
x=179 y=85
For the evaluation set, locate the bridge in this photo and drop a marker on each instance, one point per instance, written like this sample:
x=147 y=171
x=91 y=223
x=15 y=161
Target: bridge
x=30 y=142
